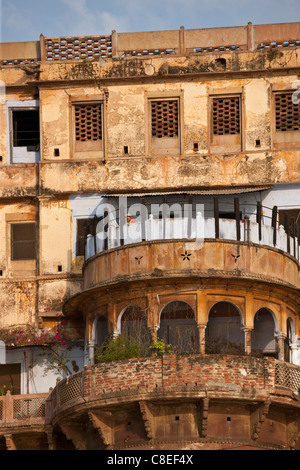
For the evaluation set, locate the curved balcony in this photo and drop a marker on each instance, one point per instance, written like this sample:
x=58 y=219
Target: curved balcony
x=260 y=226
x=209 y=401
x=163 y=259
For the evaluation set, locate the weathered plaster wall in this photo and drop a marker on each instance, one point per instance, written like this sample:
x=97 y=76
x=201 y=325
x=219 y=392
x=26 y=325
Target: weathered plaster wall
x=55 y=237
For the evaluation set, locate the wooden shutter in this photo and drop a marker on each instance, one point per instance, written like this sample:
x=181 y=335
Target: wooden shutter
x=23 y=241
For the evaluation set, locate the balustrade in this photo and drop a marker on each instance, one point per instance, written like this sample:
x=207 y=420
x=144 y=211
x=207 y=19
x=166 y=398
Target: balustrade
x=40 y=408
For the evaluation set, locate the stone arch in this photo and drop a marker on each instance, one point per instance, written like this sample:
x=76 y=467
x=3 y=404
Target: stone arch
x=132 y=323
x=99 y=330
x=264 y=333
x=178 y=327
x=224 y=330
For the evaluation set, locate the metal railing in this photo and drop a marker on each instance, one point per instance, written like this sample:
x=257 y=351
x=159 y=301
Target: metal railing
x=229 y=221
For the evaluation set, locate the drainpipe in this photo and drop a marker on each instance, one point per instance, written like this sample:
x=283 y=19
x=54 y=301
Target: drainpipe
x=27 y=369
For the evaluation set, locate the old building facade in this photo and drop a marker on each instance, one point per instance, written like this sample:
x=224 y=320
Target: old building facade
x=194 y=137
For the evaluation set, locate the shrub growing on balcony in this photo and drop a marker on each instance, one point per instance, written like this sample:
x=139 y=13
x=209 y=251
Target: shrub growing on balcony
x=116 y=349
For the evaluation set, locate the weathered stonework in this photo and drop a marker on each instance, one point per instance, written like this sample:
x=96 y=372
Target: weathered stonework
x=68 y=179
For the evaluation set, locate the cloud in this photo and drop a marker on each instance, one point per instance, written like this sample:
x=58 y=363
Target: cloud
x=88 y=18
x=12 y=18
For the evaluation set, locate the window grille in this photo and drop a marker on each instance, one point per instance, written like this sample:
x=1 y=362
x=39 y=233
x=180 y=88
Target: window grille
x=226 y=115
x=164 y=117
x=88 y=122
x=287 y=114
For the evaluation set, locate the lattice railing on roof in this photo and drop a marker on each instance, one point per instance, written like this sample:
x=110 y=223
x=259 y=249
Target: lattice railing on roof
x=287 y=375
x=13 y=62
x=148 y=52
x=279 y=44
x=216 y=49
x=70 y=48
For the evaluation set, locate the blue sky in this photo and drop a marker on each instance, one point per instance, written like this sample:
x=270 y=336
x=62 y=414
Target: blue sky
x=24 y=20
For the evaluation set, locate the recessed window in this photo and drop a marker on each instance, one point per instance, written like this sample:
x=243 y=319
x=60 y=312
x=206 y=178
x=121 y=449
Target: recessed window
x=88 y=122
x=88 y=128
x=225 y=123
x=164 y=118
x=226 y=115
x=83 y=229
x=26 y=128
x=287 y=113
x=23 y=245
x=286 y=121
x=165 y=126
x=25 y=135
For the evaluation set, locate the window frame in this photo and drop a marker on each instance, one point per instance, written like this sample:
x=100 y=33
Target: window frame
x=12 y=242
x=225 y=143
x=21 y=267
x=88 y=221
x=163 y=146
x=283 y=139
x=15 y=155
x=87 y=150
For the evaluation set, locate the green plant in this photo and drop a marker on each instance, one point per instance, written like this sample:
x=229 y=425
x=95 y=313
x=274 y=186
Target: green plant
x=115 y=349
x=160 y=347
x=5 y=389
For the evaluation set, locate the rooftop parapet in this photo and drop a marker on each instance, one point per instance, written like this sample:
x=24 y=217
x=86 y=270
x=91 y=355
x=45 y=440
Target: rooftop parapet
x=153 y=43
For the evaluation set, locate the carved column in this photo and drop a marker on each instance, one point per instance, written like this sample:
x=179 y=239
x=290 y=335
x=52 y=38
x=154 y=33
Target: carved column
x=294 y=347
x=280 y=345
x=201 y=319
x=201 y=327
x=247 y=332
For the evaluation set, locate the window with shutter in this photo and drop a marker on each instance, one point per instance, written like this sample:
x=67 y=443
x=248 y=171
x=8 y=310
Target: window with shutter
x=225 y=125
x=23 y=243
x=226 y=115
x=165 y=126
x=286 y=121
x=88 y=129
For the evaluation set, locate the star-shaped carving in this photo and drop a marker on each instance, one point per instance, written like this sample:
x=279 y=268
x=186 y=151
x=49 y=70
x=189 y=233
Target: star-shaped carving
x=186 y=255
x=139 y=259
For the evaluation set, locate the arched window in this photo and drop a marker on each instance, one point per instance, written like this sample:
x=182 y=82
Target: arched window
x=224 y=330
x=134 y=325
x=178 y=327
x=100 y=330
x=263 y=335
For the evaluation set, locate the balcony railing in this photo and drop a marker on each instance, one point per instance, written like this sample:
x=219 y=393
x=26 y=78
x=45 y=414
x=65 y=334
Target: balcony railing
x=18 y=410
x=260 y=227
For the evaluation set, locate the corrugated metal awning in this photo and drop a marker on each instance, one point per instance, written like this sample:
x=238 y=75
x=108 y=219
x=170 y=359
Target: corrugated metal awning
x=201 y=192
